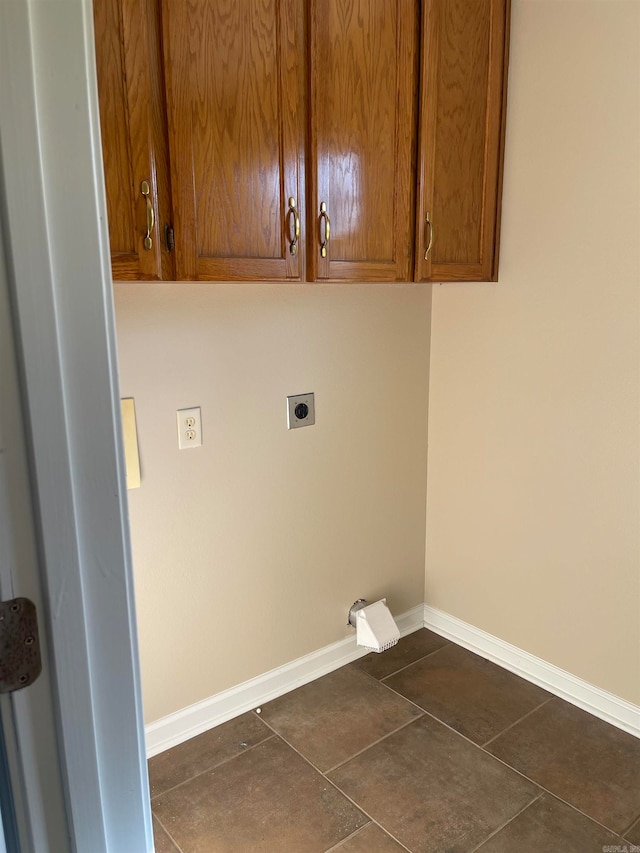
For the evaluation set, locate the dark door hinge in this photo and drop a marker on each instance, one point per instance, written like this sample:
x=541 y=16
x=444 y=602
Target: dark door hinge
x=169 y=238
x=20 y=661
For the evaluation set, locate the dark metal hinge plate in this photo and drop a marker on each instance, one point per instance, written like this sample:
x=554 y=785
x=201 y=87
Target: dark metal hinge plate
x=20 y=661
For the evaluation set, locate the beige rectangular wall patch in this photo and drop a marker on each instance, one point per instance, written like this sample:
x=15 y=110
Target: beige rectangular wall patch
x=130 y=433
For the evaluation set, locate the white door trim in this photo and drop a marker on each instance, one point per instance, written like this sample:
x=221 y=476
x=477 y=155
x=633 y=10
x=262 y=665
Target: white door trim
x=57 y=253
x=33 y=807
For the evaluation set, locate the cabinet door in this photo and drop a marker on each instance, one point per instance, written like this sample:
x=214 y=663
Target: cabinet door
x=363 y=94
x=463 y=91
x=133 y=136
x=234 y=78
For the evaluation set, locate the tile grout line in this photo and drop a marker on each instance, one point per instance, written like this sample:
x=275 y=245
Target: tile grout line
x=209 y=769
x=556 y=796
x=508 y=728
x=347 y=838
x=372 y=822
x=631 y=825
x=340 y=791
x=172 y=839
x=551 y=793
x=410 y=701
x=506 y=823
x=421 y=713
x=518 y=772
x=402 y=668
x=407 y=665
x=373 y=743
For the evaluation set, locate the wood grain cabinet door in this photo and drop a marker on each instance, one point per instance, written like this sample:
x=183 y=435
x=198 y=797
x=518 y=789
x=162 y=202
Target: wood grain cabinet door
x=133 y=137
x=363 y=97
x=463 y=90
x=234 y=79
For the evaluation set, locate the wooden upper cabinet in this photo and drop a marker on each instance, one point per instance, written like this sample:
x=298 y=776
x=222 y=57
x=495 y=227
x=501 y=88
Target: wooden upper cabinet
x=234 y=83
x=463 y=89
x=391 y=112
x=133 y=137
x=363 y=94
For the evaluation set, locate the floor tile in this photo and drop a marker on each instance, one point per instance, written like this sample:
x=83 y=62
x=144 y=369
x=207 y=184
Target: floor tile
x=633 y=835
x=550 y=825
x=582 y=759
x=331 y=719
x=470 y=694
x=163 y=843
x=267 y=800
x=371 y=839
x=433 y=790
x=204 y=752
x=408 y=650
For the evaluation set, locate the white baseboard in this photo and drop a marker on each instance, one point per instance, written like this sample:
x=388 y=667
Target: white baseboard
x=176 y=728
x=606 y=706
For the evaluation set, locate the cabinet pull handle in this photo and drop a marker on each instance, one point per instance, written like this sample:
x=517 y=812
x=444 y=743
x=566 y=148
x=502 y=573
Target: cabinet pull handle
x=293 y=244
x=430 y=243
x=327 y=229
x=146 y=192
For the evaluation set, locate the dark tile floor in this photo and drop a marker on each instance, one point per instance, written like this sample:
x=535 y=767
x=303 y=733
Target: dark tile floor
x=426 y=748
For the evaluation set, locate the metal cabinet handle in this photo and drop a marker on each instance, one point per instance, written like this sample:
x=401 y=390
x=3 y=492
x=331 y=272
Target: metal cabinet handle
x=430 y=243
x=151 y=218
x=327 y=229
x=293 y=244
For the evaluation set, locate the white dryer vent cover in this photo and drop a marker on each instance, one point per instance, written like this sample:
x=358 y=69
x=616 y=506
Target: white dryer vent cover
x=376 y=629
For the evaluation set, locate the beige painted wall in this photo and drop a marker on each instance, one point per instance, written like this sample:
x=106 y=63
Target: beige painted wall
x=533 y=465
x=249 y=550
x=534 y=468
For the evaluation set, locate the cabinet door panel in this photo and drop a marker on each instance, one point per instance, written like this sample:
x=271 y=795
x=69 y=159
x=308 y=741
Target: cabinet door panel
x=363 y=87
x=234 y=84
x=461 y=139
x=133 y=135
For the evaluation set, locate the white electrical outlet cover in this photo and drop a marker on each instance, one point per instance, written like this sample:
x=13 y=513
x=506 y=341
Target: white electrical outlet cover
x=189 y=428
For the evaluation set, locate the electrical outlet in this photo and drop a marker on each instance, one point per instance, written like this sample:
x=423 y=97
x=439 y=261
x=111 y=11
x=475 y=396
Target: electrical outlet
x=301 y=411
x=189 y=428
